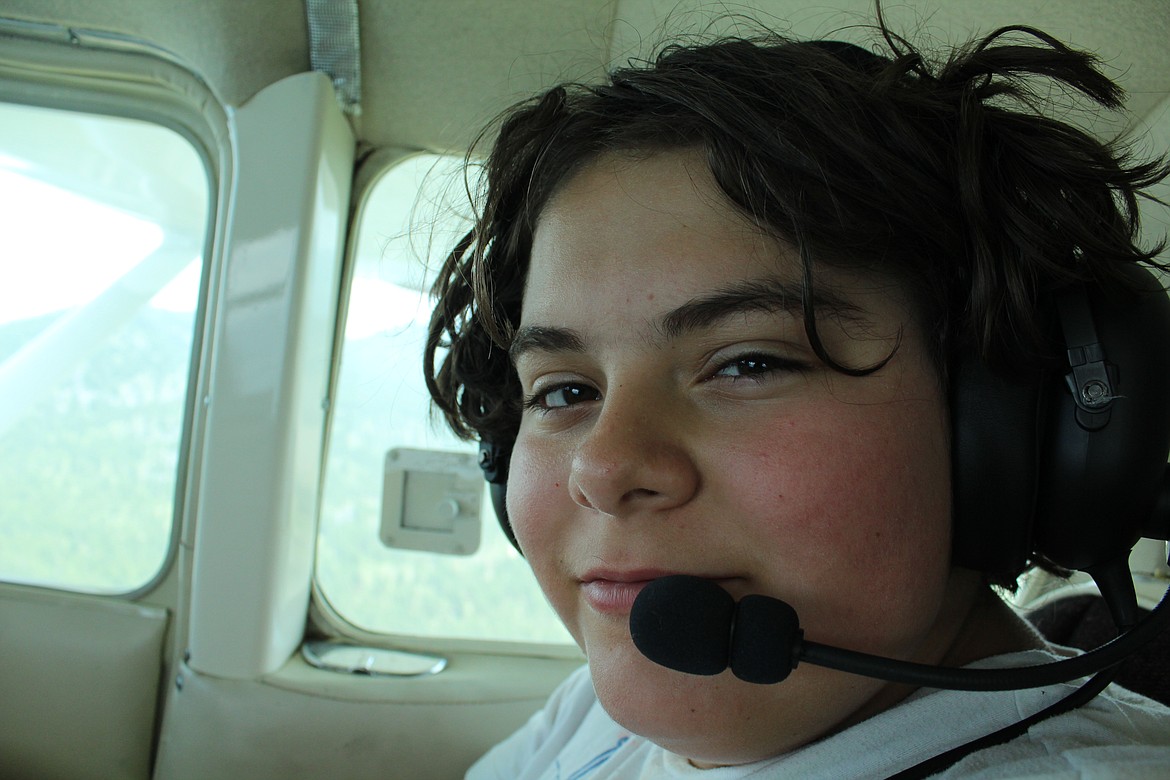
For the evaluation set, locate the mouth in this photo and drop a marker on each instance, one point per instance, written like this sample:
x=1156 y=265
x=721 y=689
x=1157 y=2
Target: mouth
x=612 y=597
x=613 y=593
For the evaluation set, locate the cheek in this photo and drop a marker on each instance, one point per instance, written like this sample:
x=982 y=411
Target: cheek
x=540 y=513
x=534 y=491
x=853 y=502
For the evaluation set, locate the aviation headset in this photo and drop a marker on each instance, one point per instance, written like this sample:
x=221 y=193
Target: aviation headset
x=1067 y=467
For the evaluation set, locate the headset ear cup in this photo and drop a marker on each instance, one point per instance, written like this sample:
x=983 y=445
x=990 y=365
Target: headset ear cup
x=996 y=435
x=1034 y=475
x=498 y=493
x=1101 y=479
x=494 y=460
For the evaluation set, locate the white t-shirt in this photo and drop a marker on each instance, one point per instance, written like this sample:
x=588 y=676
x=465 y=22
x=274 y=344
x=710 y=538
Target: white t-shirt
x=1118 y=734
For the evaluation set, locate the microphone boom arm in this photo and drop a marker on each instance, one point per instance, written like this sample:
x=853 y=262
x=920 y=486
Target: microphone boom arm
x=1105 y=656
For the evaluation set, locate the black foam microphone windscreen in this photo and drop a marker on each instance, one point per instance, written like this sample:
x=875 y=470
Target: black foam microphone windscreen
x=764 y=640
x=683 y=623
x=692 y=625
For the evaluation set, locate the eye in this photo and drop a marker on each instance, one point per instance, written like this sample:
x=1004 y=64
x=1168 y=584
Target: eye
x=561 y=396
x=757 y=366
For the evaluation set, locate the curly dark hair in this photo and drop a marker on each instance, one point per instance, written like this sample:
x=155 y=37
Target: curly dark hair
x=949 y=178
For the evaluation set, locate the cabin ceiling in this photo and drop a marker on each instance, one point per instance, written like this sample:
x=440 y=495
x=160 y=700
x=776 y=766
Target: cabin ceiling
x=434 y=72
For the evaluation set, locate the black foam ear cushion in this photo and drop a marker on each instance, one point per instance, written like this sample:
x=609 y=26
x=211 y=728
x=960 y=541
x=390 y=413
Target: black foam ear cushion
x=1032 y=475
x=996 y=435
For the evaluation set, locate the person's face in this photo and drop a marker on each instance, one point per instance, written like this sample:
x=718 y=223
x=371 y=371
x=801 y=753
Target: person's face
x=677 y=421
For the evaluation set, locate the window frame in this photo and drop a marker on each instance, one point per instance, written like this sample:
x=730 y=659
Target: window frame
x=98 y=74
x=325 y=620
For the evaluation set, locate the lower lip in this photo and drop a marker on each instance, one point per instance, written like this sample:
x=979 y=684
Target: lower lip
x=610 y=597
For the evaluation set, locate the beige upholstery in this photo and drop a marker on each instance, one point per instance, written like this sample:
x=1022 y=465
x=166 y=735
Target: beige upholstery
x=307 y=723
x=79 y=680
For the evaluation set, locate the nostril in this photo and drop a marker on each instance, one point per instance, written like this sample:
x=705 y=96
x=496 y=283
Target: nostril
x=578 y=495
x=629 y=463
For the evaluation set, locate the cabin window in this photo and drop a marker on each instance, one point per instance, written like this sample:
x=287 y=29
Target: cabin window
x=103 y=229
x=410 y=218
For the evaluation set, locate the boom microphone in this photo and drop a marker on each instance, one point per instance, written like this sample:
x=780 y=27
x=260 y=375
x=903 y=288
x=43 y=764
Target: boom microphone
x=692 y=625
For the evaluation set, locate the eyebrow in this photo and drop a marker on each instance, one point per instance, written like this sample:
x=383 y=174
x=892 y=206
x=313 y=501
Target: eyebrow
x=750 y=295
x=544 y=339
x=705 y=311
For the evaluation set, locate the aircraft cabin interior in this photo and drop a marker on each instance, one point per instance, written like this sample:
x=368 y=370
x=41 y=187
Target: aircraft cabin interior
x=234 y=540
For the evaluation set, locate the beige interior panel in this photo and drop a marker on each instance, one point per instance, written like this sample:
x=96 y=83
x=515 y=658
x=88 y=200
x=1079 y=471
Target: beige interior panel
x=237 y=48
x=433 y=74
x=79 y=681
x=307 y=723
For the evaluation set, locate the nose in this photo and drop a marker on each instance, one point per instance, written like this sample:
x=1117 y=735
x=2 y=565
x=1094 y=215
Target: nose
x=634 y=459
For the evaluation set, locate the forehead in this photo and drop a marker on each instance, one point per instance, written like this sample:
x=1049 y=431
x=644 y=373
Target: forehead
x=655 y=225
x=648 y=248
x=672 y=182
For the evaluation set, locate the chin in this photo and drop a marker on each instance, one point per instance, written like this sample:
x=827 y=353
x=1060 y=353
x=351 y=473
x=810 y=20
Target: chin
x=700 y=718
x=721 y=720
